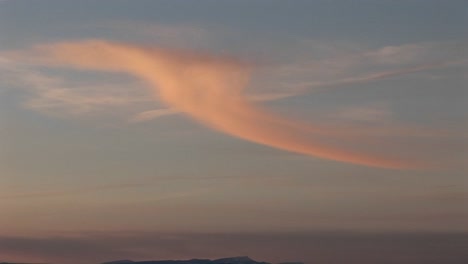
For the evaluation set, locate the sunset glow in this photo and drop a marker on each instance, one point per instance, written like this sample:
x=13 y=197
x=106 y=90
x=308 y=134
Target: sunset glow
x=233 y=132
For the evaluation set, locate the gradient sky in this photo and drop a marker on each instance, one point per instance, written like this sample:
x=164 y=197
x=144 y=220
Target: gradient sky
x=266 y=120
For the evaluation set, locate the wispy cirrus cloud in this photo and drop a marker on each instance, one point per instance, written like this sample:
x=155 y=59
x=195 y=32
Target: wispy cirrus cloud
x=50 y=95
x=56 y=96
x=153 y=114
x=337 y=66
x=364 y=113
x=370 y=77
x=157 y=113
x=100 y=189
x=45 y=191
x=341 y=68
x=207 y=88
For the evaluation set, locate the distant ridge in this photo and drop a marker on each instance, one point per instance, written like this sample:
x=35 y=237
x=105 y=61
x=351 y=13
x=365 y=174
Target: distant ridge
x=3 y=262
x=231 y=260
x=124 y=261
x=242 y=259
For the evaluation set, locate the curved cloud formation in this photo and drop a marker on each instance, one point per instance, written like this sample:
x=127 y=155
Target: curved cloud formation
x=207 y=88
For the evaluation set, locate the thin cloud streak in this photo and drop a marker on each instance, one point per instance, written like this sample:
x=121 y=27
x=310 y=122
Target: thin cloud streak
x=153 y=114
x=157 y=113
x=343 y=67
x=124 y=186
x=58 y=97
x=374 y=76
x=207 y=88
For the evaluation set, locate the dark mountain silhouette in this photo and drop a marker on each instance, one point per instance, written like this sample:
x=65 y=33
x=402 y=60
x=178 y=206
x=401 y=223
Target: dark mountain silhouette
x=3 y=262
x=233 y=260
x=125 y=261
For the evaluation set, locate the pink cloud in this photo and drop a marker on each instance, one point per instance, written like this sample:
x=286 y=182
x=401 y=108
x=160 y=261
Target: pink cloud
x=210 y=90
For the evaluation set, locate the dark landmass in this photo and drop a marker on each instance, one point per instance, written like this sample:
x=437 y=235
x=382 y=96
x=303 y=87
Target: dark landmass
x=233 y=260
x=19 y=263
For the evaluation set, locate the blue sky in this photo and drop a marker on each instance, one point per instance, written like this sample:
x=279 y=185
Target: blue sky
x=85 y=150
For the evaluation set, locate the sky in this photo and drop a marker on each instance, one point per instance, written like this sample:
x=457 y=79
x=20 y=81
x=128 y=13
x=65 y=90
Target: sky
x=315 y=131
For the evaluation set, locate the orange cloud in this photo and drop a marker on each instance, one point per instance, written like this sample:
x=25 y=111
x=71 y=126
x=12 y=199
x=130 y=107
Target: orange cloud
x=207 y=88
